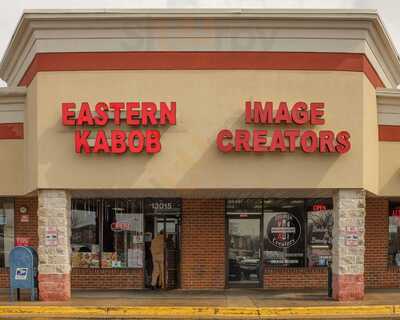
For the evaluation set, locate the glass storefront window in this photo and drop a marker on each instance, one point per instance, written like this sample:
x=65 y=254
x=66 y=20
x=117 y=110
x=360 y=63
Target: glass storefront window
x=107 y=233
x=394 y=233
x=122 y=234
x=319 y=231
x=296 y=232
x=284 y=232
x=6 y=230
x=85 y=235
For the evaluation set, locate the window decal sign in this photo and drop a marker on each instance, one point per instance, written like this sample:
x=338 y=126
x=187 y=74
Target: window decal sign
x=287 y=139
x=284 y=230
x=91 y=124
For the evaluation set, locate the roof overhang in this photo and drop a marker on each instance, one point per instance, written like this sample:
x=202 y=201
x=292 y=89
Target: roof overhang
x=346 y=31
x=12 y=96
x=388 y=97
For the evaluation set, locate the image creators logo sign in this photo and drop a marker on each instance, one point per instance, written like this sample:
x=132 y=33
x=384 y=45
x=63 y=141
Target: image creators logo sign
x=284 y=230
x=287 y=139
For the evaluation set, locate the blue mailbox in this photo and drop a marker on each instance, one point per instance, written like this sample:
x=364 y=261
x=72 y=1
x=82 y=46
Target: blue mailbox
x=23 y=271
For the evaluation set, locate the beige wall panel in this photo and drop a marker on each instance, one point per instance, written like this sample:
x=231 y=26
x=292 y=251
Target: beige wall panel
x=31 y=138
x=207 y=101
x=370 y=138
x=11 y=167
x=389 y=168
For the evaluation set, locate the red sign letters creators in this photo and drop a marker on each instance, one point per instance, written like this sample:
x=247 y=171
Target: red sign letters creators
x=120 y=114
x=284 y=139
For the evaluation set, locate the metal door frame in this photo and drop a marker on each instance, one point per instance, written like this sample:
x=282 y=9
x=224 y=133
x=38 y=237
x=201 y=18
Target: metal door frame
x=164 y=217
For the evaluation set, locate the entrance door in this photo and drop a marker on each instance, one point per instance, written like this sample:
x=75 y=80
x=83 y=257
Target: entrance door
x=244 y=251
x=170 y=226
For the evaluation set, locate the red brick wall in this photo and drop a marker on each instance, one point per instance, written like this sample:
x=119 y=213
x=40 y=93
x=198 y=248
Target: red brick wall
x=26 y=229
x=4 y=278
x=203 y=244
x=295 y=278
x=107 y=278
x=378 y=274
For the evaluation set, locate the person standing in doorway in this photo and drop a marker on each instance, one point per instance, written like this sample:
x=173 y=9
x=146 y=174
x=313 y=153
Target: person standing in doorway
x=157 y=252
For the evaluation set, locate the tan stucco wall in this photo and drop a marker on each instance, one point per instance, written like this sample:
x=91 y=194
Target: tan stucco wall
x=11 y=167
x=370 y=138
x=31 y=138
x=207 y=101
x=389 y=168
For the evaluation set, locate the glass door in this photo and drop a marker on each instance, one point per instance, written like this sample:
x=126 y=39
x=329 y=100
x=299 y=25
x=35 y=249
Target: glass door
x=170 y=228
x=170 y=225
x=244 y=251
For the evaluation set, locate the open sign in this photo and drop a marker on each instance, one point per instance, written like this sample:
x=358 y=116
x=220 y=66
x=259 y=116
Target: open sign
x=120 y=226
x=396 y=212
x=318 y=207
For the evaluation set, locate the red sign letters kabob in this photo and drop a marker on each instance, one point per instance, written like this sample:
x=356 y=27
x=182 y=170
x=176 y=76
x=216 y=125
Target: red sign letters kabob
x=134 y=114
x=283 y=140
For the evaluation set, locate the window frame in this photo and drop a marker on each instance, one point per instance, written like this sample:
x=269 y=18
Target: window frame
x=141 y=202
x=304 y=226
x=100 y=210
x=11 y=200
x=391 y=260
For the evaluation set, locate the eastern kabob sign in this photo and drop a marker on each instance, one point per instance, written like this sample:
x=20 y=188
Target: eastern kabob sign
x=130 y=130
x=119 y=114
x=283 y=140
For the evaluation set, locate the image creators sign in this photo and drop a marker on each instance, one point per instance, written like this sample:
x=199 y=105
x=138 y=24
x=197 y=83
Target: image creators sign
x=284 y=230
x=131 y=114
x=283 y=140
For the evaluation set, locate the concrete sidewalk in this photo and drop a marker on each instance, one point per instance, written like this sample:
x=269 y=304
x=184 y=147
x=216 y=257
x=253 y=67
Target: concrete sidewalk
x=215 y=304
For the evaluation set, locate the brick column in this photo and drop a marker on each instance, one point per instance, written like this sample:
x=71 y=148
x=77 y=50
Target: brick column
x=54 y=229
x=203 y=244
x=348 y=244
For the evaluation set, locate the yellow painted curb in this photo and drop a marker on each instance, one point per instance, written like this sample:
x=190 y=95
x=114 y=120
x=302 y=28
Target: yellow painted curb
x=158 y=311
x=52 y=310
x=182 y=311
x=397 y=309
x=328 y=311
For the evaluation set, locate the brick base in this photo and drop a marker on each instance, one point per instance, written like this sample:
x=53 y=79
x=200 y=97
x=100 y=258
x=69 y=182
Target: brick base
x=93 y=278
x=54 y=287
x=295 y=278
x=348 y=287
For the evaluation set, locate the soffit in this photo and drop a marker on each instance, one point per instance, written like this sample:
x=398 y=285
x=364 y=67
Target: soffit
x=356 y=31
x=388 y=101
x=204 y=193
x=12 y=96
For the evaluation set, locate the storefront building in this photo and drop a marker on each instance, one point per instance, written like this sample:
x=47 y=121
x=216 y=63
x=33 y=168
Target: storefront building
x=266 y=145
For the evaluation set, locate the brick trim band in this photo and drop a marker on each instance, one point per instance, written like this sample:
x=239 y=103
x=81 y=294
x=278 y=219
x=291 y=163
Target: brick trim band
x=11 y=131
x=90 y=61
x=389 y=133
